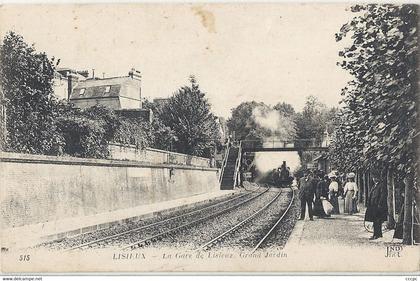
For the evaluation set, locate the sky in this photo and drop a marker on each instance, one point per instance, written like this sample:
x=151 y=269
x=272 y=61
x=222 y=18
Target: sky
x=238 y=52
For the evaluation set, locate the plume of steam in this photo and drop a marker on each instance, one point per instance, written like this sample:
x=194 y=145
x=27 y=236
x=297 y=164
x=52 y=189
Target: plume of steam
x=280 y=126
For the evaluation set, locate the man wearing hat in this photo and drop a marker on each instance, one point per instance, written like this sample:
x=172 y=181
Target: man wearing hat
x=306 y=194
x=377 y=208
x=350 y=193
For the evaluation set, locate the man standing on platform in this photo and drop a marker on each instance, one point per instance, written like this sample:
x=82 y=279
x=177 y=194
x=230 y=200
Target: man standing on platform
x=306 y=195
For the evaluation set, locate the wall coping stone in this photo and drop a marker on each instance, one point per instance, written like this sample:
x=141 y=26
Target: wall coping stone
x=68 y=160
x=157 y=150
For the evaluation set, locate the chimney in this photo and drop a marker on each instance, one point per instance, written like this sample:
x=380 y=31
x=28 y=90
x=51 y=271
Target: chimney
x=72 y=80
x=135 y=74
x=93 y=73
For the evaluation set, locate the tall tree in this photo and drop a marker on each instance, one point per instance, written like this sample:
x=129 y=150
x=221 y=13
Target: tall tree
x=380 y=102
x=313 y=120
x=242 y=122
x=286 y=109
x=188 y=114
x=26 y=79
x=163 y=136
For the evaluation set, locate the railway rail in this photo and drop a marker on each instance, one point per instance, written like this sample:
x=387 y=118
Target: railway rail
x=237 y=227
x=274 y=227
x=158 y=236
x=106 y=240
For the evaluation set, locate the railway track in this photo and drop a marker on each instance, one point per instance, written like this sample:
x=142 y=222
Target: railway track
x=125 y=235
x=274 y=227
x=237 y=227
x=159 y=236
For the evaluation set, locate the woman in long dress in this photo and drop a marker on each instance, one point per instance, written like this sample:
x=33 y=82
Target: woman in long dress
x=333 y=194
x=350 y=192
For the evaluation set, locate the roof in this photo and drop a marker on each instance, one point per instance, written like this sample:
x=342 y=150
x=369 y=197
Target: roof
x=113 y=87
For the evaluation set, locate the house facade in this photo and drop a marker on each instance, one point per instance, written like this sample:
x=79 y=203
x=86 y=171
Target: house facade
x=115 y=92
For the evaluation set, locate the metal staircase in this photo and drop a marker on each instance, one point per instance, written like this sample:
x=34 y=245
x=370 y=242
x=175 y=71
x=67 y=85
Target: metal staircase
x=230 y=168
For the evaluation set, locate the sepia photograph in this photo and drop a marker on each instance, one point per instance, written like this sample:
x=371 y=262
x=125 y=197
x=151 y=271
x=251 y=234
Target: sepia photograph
x=145 y=138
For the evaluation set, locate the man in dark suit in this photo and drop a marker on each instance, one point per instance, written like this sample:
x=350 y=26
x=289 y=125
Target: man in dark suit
x=306 y=195
x=377 y=208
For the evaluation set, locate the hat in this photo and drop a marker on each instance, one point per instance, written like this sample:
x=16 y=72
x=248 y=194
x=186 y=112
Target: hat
x=332 y=175
x=351 y=175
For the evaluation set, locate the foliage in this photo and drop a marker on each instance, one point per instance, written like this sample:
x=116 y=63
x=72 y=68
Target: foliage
x=83 y=137
x=256 y=120
x=285 y=109
x=134 y=132
x=88 y=132
x=26 y=79
x=314 y=119
x=188 y=114
x=163 y=136
x=379 y=117
x=243 y=124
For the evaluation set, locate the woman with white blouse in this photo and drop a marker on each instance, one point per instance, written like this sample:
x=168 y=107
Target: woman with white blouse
x=333 y=194
x=350 y=192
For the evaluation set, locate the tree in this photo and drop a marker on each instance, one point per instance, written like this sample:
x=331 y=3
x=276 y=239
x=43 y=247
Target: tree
x=314 y=119
x=188 y=114
x=242 y=123
x=380 y=112
x=163 y=136
x=26 y=79
x=285 y=109
x=256 y=120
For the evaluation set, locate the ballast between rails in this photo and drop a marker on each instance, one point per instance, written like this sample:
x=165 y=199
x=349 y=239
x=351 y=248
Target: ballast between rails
x=117 y=235
x=158 y=236
x=268 y=234
x=207 y=245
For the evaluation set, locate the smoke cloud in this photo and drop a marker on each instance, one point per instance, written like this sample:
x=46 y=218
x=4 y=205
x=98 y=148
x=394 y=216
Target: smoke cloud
x=280 y=126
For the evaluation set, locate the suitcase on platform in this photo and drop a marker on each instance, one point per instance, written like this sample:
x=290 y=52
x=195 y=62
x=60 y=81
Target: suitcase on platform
x=341 y=205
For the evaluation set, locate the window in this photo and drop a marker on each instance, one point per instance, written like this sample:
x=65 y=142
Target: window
x=107 y=89
x=82 y=92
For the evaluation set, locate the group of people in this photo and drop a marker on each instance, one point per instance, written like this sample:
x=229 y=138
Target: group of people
x=317 y=190
x=316 y=186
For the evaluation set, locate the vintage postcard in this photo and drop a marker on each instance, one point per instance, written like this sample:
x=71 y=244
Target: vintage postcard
x=209 y=137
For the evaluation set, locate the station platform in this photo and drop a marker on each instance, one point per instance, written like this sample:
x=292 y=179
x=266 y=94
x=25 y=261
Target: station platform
x=15 y=238
x=344 y=236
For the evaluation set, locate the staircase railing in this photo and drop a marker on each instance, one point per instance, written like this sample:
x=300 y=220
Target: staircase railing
x=225 y=158
x=238 y=165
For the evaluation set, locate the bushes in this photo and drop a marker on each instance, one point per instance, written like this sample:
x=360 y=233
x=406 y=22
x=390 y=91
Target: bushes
x=87 y=133
x=83 y=137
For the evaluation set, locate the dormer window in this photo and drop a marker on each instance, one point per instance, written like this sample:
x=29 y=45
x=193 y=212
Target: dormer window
x=107 y=89
x=82 y=92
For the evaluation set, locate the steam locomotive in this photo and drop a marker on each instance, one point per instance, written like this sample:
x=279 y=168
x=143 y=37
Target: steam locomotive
x=282 y=176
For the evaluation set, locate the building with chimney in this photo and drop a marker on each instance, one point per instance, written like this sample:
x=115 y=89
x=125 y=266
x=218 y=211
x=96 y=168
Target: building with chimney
x=65 y=80
x=122 y=94
x=118 y=93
